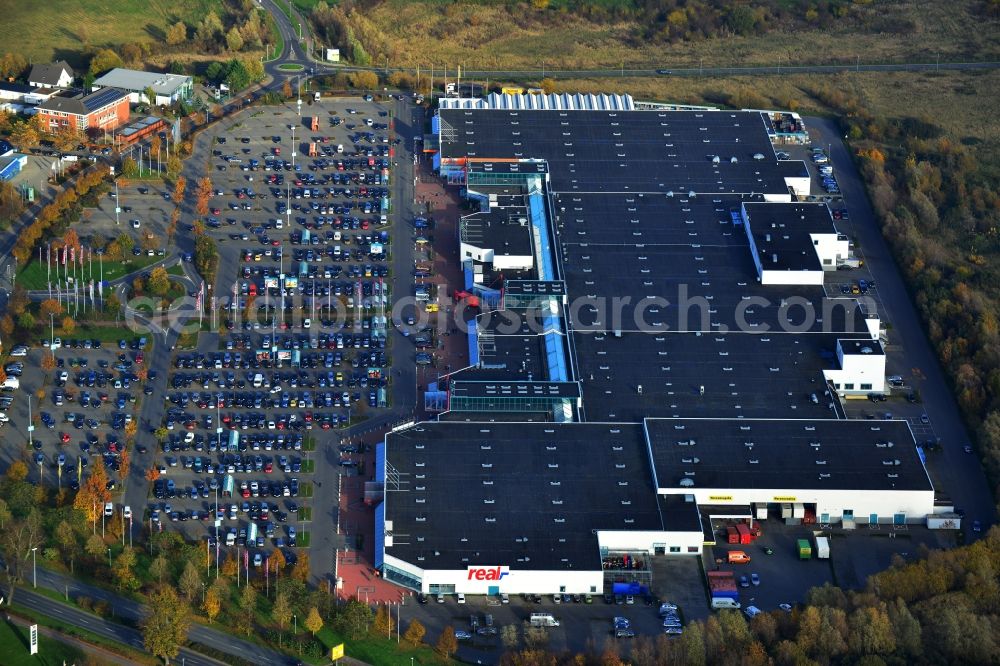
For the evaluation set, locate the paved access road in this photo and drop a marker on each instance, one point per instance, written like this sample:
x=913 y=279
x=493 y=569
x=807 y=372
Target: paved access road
x=134 y=611
x=959 y=474
x=110 y=630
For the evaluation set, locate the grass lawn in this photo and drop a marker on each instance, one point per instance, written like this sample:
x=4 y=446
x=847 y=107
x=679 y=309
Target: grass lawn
x=279 y=41
x=176 y=269
x=308 y=466
x=303 y=539
x=306 y=489
x=107 y=333
x=305 y=513
x=379 y=650
x=50 y=651
x=33 y=276
x=290 y=67
x=73 y=25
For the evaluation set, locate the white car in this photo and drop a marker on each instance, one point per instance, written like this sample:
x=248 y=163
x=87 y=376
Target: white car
x=19 y=350
x=127 y=512
x=4 y=418
x=307 y=323
x=135 y=224
x=109 y=509
x=461 y=598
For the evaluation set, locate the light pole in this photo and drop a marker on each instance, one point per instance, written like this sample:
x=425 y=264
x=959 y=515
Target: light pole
x=34 y=568
x=110 y=566
x=295 y=620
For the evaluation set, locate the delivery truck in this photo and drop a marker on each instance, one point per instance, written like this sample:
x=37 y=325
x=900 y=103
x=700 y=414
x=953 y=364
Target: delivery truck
x=805 y=550
x=823 y=548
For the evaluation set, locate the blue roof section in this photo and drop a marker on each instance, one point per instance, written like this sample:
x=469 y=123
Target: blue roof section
x=380 y=462
x=473 y=343
x=467 y=271
x=555 y=353
x=435 y=124
x=536 y=208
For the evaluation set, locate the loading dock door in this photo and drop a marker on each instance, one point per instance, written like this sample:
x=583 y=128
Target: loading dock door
x=493 y=590
x=899 y=519
x=873 y=519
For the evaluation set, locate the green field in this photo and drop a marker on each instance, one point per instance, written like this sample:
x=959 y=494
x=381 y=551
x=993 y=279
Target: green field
x=34 y=275
x=380 y=650
x=43 y=31
x=14 y=640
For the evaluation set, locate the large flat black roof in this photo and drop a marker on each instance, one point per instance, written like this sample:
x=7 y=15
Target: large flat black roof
x=772 y=375
x=529 y=495
x=653 y=151
x=783 y=454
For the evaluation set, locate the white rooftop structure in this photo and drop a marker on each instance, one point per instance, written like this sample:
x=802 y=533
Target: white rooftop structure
x=553 y=102
x=168 y=88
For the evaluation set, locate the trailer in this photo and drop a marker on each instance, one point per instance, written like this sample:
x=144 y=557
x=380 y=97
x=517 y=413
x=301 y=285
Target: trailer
x=798 y=510
x=760 y=511
x=732 y=536
x=314 y=123
x=805 y=550
x=786 y=511
x=744 y=533
x=823 y=548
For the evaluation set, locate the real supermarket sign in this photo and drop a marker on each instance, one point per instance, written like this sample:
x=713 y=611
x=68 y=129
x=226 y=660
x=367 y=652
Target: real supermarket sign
x=488 y=573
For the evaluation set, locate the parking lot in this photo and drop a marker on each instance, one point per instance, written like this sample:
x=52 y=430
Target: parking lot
x=80 y=409
x=296 y=361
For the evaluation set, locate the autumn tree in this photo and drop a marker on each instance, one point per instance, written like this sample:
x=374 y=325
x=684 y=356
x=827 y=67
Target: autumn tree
x=25 y=134
x=301 y=569
x=69 y=544
x=213 y=604
x=93 y=494
x=159 y=568
x=68 y=325
x=104 y=60
x=447 y=644
x=124 y=570
x=286 y=89
x=159 y=281
x=176 y=34
x=247 y=604
x=17 y=540
x=179 y=186
x=50 y=307
x=190 y=581
x=415 y=633
x=281 y=611
x=48 y=361
x=383 y=624
x=165 y=628
x=313 y=621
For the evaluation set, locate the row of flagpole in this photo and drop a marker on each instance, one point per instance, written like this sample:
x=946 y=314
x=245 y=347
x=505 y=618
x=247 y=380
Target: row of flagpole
x=76 y=282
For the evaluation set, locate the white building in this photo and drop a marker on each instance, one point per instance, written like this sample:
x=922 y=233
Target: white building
x=793 y=243
x=167 y=88
x=332 y=55
x=51 y=75
x=862 y=368
x=500 y=233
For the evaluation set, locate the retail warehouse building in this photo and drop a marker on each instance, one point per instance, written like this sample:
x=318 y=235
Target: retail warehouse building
x=585 y=439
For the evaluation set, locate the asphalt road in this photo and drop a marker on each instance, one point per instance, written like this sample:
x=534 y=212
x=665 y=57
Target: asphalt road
x=133 y=611
x=104 y=628
x=959 y=475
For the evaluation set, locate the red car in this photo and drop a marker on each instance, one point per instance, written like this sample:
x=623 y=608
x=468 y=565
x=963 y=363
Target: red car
x=64 y=438
x=216 y=211
x=139 y=358
x=268 y=468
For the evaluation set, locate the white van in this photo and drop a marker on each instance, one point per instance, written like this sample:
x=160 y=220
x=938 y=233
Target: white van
x=340 y=148
x=543 y=620
x=258 y=380
x=11 y=384
x=719 y=603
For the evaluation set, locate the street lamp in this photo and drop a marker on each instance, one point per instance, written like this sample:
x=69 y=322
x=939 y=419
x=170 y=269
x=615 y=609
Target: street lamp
x=295 y=620
x=110 y=566
x=34 y=568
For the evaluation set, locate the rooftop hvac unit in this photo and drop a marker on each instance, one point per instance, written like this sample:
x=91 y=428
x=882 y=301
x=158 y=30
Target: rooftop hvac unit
x=686 y=483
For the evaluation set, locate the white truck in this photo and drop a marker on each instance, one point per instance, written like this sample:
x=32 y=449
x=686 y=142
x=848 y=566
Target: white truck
x=823 y=548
